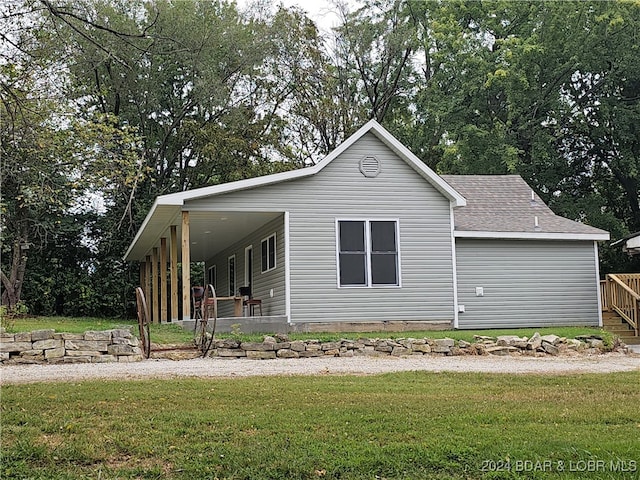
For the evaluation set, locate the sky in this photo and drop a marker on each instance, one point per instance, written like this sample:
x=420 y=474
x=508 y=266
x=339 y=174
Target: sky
x=322 y=12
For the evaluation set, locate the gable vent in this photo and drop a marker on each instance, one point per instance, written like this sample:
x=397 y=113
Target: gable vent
x=370 y=166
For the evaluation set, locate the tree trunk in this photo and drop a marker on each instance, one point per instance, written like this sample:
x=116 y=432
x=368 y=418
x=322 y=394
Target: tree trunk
x=13 y=283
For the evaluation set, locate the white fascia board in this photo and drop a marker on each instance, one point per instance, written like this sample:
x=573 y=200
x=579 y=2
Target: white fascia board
x=532 y=235
x=152 y=222
x=180 y=197
x=417 y=164
x=141 y=230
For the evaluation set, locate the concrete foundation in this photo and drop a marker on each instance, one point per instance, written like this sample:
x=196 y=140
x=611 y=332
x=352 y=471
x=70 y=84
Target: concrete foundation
x=399 y=326
x=279 y=324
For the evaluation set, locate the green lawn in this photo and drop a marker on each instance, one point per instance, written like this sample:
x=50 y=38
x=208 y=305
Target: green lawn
x=163 y=334
x=67 y=324
x=394 y=426
x=168 y=333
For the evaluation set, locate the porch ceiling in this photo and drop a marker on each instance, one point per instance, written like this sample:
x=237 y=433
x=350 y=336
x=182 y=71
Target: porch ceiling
x=210 y=231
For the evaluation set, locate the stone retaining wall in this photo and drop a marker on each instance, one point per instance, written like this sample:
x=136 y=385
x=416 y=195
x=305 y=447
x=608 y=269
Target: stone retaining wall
x=46 y=346
x=279 y=346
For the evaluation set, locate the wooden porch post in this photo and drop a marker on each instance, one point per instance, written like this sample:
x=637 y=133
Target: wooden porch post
x=147 y=283
x=186 y=268
x=155 y=314
x=174 y=273
x=163 y=280
x=143 y=273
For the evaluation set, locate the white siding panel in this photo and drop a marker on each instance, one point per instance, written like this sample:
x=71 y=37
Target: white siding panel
x=526 y=283
x=341 y=191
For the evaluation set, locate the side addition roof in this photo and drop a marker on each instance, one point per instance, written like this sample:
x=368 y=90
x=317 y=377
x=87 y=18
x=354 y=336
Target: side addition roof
x=504 y=206
x=630 y=244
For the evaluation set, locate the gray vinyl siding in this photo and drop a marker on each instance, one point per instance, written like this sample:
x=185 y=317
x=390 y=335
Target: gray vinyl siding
x=340 y=191
x=263 y=283
x=526 y=283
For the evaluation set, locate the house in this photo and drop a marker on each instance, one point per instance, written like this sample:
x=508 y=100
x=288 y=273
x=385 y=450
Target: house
x=371 y=238
x=630 y=244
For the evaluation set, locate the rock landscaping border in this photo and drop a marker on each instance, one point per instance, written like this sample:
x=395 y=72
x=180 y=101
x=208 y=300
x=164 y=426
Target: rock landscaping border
x=279 y=346
x=119 y=345
x=46 y=346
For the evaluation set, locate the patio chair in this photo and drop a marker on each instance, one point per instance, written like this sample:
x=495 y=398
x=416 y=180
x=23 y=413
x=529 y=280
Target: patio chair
x=197 y=293
x=249 y=301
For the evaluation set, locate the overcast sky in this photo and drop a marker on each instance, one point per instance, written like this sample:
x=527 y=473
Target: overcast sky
x=322 y=12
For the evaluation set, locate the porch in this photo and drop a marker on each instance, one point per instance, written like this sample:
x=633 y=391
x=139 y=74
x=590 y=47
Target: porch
x=168 y=251
x=620 y=296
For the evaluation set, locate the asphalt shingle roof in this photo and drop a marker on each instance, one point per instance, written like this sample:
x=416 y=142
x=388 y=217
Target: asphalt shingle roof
x=502 y=203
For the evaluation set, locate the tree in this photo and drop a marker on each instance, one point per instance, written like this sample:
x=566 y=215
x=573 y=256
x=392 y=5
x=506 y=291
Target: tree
x=194 y=79
x=46 y=170
x=378 y=41
x=543 y=89
x=50 y=160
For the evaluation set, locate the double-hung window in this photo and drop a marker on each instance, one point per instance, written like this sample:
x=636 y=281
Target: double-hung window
x=368 y=253
x=268 y=247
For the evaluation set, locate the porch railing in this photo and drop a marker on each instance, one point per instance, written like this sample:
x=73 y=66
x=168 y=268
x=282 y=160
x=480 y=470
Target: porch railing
x=621 y=293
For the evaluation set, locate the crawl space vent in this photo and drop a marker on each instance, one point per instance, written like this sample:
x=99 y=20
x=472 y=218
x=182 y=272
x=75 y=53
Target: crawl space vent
x=370 y=167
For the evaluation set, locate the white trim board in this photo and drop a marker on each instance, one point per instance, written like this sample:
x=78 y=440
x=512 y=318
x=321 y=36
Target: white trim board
x=531 y=235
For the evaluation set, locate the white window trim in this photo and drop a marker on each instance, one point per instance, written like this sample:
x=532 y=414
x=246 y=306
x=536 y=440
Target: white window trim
x=275 y=252
x=215 y=275
x=247 y=280
x=235 y=275
x=367 y=239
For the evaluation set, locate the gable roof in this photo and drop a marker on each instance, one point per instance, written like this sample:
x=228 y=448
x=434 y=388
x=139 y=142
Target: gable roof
x=501 y=206
x=370 y=127
x=166 y=207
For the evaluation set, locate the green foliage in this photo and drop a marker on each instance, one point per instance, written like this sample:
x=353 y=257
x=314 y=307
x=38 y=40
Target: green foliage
x=542 y=89
x=9 y=316
x=408 y=425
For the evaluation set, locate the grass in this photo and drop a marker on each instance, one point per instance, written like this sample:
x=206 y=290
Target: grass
x=67 y=324
x=393 y=426
x=163 y=334
x=168 y=333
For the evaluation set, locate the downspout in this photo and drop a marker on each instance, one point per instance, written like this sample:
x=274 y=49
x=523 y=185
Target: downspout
x=454 y=267
x=287 y=269
x=599 y=293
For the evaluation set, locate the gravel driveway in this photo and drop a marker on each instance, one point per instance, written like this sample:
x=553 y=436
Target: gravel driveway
x=224 y=368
